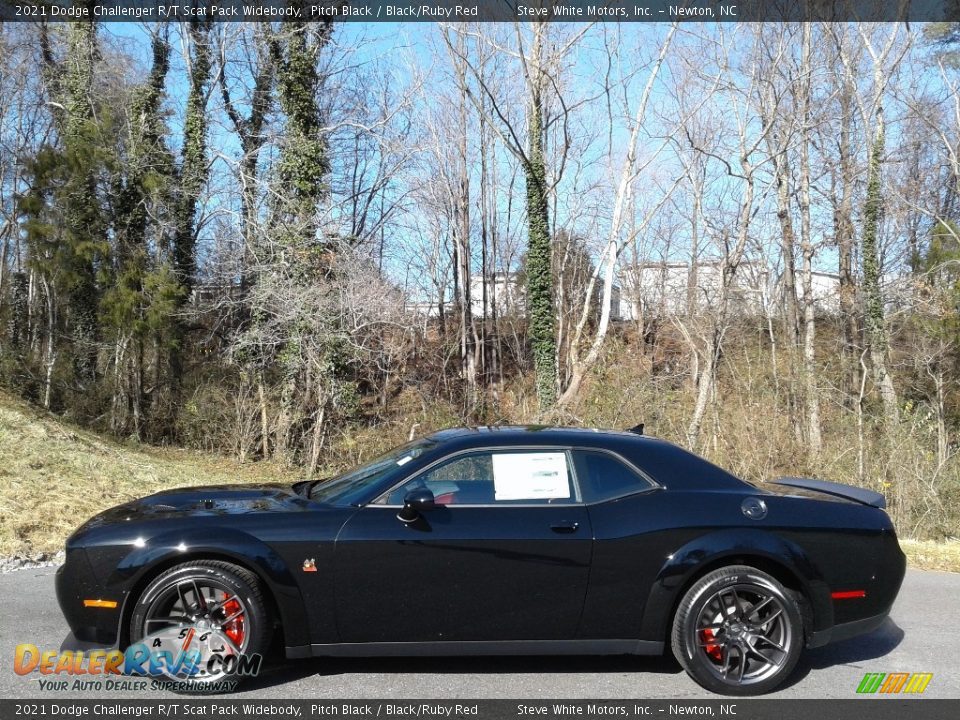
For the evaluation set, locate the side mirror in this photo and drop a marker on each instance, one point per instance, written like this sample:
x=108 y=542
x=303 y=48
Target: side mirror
x=416 y=502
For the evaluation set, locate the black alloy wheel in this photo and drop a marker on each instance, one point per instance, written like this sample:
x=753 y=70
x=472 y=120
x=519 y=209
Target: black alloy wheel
x=208 y=613
x=738 y=631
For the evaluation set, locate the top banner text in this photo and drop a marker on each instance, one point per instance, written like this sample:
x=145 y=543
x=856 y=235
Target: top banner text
x=480 y=10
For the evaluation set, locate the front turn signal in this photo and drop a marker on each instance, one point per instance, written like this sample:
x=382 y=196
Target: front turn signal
x=100 y=603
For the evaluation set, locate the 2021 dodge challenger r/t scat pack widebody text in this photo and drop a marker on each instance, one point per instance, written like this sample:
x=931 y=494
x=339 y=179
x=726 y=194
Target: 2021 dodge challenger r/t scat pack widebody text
x=496 y=541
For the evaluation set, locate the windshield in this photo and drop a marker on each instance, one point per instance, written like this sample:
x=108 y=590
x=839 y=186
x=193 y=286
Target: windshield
x=350 y=488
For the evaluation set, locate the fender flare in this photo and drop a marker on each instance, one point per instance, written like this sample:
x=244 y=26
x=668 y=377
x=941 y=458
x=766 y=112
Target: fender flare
x=231 y=545
x=709 y=551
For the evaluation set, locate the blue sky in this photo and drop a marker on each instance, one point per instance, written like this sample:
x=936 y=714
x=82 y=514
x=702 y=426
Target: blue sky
x=396 y=45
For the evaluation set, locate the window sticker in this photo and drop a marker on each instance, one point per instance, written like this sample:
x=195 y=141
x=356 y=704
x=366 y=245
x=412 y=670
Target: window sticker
x=530 y=476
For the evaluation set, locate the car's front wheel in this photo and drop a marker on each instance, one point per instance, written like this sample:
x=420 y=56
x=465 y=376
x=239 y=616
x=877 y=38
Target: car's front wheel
x=202 y=622
x=738 y=631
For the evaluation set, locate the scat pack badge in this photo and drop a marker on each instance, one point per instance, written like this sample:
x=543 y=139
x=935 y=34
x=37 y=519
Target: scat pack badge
x=309 y=565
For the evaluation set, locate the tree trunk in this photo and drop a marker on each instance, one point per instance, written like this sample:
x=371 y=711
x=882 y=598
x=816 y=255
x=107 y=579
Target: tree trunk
x=873 y=298
x=4 y=252
x=844 y=234
x=814 y=442
x=84 y=224
x=264 y=419
x=704 y=392
x=615 y=243
x=461 y=232
x=791 y=316
x=301 y=169
x=941 y=408
x=542 y=329
x=317 y=442
x=51 y=354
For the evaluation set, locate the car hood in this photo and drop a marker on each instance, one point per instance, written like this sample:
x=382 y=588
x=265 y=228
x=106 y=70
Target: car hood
x=212 y=500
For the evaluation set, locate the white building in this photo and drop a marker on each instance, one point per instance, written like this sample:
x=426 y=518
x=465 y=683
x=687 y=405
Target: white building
x=504 y=291
x=825 y=290
x=662 y=289
x=674 y=288
x=508 y=293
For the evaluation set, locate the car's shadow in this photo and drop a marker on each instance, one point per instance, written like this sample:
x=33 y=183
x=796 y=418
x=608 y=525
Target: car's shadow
x=875 y=645
x=279 y=671
x=277 y=674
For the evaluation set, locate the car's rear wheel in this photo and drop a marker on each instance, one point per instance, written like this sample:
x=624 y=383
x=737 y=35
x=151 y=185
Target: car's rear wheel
x=206 y=615
x=738 y=631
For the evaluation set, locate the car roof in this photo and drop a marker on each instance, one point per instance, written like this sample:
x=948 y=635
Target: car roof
x=482 y=435
x=668 y=464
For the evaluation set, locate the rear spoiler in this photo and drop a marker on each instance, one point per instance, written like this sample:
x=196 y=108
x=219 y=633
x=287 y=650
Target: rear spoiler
x=848 y=492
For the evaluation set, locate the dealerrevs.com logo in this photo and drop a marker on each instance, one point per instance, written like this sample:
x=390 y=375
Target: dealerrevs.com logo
x=174 y=659
x=894 y=683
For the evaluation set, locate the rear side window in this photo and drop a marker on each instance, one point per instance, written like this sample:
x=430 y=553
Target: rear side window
x=603 y=477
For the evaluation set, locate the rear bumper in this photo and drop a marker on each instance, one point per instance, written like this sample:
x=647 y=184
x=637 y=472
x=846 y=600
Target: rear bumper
x=843 y=631
x=847 y=618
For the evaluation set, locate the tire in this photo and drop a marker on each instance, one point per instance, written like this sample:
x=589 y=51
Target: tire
x=738 y=631
x=216 y=607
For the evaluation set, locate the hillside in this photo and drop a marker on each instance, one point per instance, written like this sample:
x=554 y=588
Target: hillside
x=53 y=476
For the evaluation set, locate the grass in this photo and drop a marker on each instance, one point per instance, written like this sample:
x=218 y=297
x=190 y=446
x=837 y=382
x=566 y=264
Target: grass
x=929 y=555
x=53 y=476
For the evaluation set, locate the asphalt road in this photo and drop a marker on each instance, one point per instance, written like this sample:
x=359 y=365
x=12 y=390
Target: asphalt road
x=921 y=635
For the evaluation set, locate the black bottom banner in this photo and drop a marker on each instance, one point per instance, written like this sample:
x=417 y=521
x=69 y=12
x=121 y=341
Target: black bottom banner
x=734 y=708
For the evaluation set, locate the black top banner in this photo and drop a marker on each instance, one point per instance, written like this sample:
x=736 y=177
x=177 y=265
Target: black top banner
x=481 y=10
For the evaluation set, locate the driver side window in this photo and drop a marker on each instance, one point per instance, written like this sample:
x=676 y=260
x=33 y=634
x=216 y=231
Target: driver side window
x=494 y=478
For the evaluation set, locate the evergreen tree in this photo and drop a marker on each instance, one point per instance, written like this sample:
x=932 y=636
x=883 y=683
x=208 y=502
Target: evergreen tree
x=313 y=360
x=143 y=294
x=193 y=175
x=85 y=228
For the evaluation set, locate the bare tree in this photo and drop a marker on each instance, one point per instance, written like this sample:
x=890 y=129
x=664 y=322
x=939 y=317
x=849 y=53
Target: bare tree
x=844 y=175
x=540 y=71
x=805 y=116
x=730 y=234
x=629 y=172
x=885 y=58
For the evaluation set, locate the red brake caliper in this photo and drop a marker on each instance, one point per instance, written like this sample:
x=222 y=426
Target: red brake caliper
x=714 y=651
x=233 y=629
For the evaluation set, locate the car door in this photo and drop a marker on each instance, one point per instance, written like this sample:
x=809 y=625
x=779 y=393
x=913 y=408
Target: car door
x=635 y=532
x=504 y=555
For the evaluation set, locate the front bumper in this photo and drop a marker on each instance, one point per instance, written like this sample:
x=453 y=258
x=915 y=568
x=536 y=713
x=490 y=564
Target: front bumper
x=75 y=582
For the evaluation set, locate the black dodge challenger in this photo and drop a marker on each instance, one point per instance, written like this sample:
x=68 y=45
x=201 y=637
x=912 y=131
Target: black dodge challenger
x=497 y=541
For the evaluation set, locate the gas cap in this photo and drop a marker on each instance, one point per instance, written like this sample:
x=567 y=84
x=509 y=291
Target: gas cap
x=754 y=508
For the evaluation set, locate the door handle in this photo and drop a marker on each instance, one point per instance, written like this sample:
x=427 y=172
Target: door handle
x=565 y=527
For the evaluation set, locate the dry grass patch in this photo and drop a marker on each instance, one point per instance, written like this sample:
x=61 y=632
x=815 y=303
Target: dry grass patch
x=54 y=476
x=929 y=555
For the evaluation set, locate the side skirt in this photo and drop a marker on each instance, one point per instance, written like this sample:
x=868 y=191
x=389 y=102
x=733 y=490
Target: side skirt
x=478 y=647
x=844 y=631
